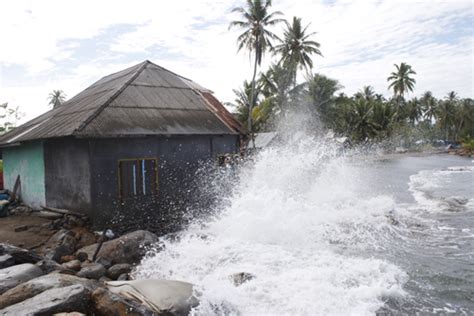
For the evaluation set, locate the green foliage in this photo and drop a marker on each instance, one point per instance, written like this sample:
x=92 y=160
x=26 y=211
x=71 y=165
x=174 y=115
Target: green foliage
x=256 y=38
x=400 y=80
x=468 y=144
x=296 y=48
x=9 y=117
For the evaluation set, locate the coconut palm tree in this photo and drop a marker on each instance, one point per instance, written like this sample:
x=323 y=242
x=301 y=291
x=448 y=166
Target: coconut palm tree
x=242 y=101
x=400 y=80
x=321 y=92
x=429 y=106
x=256 y=38
x=56 y=98
x=367 y=92
x=446 y=113
x=296 y=48
x=414 y=111
x=364 y=127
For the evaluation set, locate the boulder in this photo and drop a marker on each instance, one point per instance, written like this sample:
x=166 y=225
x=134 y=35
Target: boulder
x=92 y=271
x=160 y=296
x=20 y=255
x=104 y=279
x=67 y=258
x=81 y=256
x=61 y=244
x=64 y=299
x=70 y=314
x=241 y=277
x=6 y=261
x=83 y=236
x=14 y=275
x=38 y=285
x=116 y=270
x=50 y=265
x=129 y=248
x=123 y=277
x=72 y=265
x=108 y=303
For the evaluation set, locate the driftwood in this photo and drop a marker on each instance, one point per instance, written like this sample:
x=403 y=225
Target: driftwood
x=62 y=211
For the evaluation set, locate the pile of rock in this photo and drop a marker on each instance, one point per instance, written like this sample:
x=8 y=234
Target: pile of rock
x=65 y=279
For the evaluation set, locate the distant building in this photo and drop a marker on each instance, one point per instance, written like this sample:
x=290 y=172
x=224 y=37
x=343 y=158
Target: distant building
x=124 y=149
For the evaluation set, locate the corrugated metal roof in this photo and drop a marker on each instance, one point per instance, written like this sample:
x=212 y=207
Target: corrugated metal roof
x=145 y=99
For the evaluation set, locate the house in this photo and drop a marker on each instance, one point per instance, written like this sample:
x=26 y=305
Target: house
x=124 y=151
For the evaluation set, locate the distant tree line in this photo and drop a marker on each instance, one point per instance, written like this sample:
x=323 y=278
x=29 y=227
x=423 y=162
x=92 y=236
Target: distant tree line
x=364 y=116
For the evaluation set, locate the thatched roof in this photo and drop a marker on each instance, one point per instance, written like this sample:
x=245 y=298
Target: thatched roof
x=145 y=99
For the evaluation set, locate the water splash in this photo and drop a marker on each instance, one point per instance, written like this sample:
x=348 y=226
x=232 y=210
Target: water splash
x=296 y=220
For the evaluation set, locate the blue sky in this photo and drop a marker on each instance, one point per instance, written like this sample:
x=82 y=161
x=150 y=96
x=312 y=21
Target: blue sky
x=68 y=45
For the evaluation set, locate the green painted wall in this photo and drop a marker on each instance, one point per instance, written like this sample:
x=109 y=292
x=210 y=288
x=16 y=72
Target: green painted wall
x=26 y=160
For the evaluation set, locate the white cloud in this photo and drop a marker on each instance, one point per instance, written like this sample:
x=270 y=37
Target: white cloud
x=361 y=40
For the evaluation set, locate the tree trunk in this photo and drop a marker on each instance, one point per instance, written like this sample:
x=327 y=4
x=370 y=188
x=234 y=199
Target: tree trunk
x=252 y=100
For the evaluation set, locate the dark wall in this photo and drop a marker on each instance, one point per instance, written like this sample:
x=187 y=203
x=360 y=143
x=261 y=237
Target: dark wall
x=178 y=159
x=67 y=174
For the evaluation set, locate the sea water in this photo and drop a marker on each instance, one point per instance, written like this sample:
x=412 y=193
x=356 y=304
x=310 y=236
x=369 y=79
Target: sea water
x=327 y=231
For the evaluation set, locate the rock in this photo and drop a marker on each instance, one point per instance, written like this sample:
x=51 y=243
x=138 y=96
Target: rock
x=60 y=244
x=74 y=221
x=72 y=265
x=38 y=285
x=92 y=271
x=108 y=303
x=67 y=258
x=123 y=277
x=241 y=277
x=81 y=256
x=129 y=248
x=116 y=270
x=106 y=263
x=14 y=275
x=20 y=228
x=49 y=266
x=70 y=298
x=104 y=279
x=84 y=237
x=70 y=314
x=161 y=296
x=6 y=261
x=20 y=255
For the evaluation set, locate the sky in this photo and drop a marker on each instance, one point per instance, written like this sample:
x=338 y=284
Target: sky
x=68 y=45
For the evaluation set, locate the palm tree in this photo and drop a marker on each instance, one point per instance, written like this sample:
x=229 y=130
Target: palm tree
x=400 y=80
x=242 y=101
x=56 y=98
x=414 y=111
x=367 y=92
x=296 y=48
x=363 y=125
x=429 y=106
x=446 y=113
x=256 y=38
